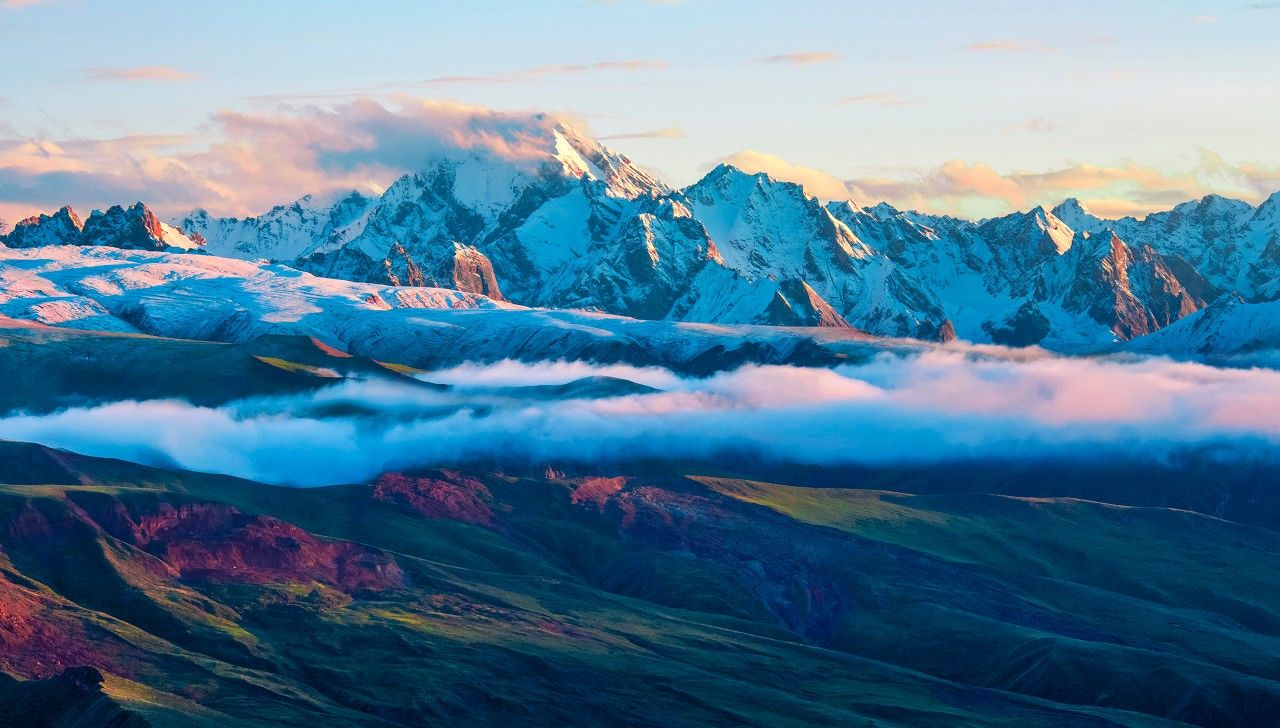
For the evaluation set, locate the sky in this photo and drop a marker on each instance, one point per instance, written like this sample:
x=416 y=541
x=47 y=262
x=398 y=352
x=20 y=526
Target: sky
x=970 y=107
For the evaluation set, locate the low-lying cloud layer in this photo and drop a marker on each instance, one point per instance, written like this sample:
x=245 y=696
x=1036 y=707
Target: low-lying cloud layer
x=931 y=407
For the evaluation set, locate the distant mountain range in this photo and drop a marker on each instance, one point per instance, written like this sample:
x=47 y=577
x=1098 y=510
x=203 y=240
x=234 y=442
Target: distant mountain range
x=583 y=227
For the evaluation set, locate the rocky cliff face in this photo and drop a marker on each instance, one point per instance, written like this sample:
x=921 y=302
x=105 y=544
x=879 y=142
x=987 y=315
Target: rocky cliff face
x=63 y=227
x=134 y=228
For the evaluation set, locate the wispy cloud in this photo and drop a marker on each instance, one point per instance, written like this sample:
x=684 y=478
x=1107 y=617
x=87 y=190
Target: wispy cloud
x=671 y=132
x=881 y=99
x=1006 y=46
x=22 y=3
x=634 y=65
x=803 y=58
x=138 y=73
x=1034 y=124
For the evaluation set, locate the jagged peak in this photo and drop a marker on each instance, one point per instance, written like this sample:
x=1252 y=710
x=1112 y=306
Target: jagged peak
x=582 y=155
x=1213 y=198
x=136 y=226
x=1015 y=226
x=66 y=212
x=725 y=170
x=1071 y=206
x=1210 y=208
x=725 y=175
x=1078 y=216
x=1269 y=206
x=325 y=201
x=1113 y=239
x=135 y=208
x=883 y=210
x=846 y=207
x=1214 y=202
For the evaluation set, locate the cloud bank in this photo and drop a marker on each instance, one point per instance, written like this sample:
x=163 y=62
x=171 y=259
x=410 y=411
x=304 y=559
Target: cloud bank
x=937 y=406
x=975 y=189
x=262 y=159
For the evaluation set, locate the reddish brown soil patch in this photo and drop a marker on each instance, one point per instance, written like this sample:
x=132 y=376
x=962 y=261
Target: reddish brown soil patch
x=264 y=550
x=440 y=495
x=596 y=490
x=219 y=543
x=38 y=641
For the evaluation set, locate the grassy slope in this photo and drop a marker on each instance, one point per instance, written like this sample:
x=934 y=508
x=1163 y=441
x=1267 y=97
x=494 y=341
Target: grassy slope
x=1179 y=598
x=492 y=627
x=45 y=369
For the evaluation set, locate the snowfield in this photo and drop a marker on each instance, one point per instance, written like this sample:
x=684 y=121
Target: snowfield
x=220 y=299
x=190 y=296
x=206 y=297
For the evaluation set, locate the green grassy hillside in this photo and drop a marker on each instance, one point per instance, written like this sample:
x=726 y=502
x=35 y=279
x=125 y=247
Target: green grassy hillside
x=443 y=596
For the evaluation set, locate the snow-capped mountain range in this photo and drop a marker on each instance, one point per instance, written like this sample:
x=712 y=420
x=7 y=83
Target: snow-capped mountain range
x=579 y=226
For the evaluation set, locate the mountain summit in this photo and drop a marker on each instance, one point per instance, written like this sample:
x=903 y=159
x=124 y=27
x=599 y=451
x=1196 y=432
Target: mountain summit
x=553 y=218
x=135 y=227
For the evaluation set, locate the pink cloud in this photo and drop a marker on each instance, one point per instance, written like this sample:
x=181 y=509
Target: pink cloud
x=1006 y=46
x=261 y=159
x=815 y=181
x=140 y=73
x=803 y=58
x=964 y=188
x=956 y=186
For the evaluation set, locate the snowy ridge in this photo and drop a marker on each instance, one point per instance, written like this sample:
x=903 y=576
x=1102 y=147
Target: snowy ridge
x=190 y=296
x=568 y=223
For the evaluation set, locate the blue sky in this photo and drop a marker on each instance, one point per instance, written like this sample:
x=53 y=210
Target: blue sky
x=872 y=91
